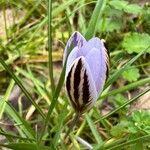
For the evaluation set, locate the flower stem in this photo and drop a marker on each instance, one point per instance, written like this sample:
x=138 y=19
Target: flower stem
x=73 y=123
x=50 y=45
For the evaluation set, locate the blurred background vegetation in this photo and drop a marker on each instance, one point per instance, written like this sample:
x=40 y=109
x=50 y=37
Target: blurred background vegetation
x=124 y=25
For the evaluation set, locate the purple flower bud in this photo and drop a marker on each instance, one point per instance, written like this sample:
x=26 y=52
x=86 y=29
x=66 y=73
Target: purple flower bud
x=86 y=70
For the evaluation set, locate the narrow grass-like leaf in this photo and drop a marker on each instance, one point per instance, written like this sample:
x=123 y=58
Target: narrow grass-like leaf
x=5 y=23
x=6 y=97
x=110 y=144
x=24 y=146
x=93 y=129
x=115 y=76
x=54 y=100
x=10 y=60
x=83 y=124
x=50 y=45
x=72 y=13
x=16 y=136
x=94 y=19
x=63 y=7
x=2 y=132
x=18 y=82
x=58 y=10
x=73 y=123
x=39 y=89
x=74 y=142
x=29 y=13
x=144 y=139
x=31 y=110
x=27 y=75
x=23 y=127
x=124 y=105
x=126 y=88
x=60 y=125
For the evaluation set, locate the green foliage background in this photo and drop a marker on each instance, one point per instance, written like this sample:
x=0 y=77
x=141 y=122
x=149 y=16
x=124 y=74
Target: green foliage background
x=33 y=35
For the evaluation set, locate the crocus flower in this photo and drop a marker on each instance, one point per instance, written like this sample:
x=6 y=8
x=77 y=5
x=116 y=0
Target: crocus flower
x=86 y=70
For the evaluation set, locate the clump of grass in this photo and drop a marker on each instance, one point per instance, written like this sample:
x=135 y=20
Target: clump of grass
x=31 y=56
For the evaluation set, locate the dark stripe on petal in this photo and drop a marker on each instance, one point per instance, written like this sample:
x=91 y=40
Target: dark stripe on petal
x=107 y=63
x=75 y=39
x=68 y=86
x=86 y=92
x=68 y=83
x=77 y=79
x=107 y=72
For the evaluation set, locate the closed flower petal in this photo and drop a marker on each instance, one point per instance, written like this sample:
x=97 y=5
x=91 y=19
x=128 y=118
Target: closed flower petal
x=92 y=43
x=98 y=68
x=72 y=56
x=80 y=85
x=76 y=40
x=86 y=70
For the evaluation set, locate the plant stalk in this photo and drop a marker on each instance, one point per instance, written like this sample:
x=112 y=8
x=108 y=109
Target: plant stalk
x=50 y=45
x=73 y=123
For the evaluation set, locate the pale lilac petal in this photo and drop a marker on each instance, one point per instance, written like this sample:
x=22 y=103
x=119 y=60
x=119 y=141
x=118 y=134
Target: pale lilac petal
x=92 y=43
x=97 y=63
x=71 y=58
x=80 y=85
x=75 y=40
x=86 y=70
x=96 y=42
x=91 y=83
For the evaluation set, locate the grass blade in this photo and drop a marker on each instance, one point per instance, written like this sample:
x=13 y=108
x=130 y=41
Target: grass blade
x=94 y=19
x=124 y=105
x=40 y=90
x=120 y=71
x=126 y=88
x=59 y=128
x=26 y=146
x=6 y=97
x=145 y=138
x=23 y=126
x=93 y=129
x=18 y=82
x=16 y=136
x=54 y=100
x=63 y=7
x=50 y=45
